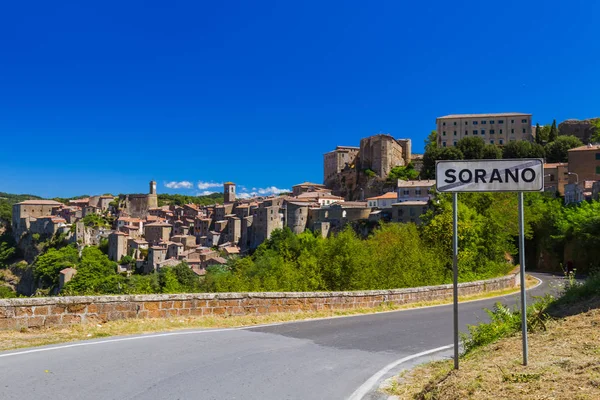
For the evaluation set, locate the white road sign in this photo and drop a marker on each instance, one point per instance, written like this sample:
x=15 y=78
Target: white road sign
x=518 y=175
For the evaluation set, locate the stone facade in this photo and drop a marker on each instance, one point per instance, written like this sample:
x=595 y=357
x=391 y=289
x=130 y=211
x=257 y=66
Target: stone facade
x=583 y=129
x=584 y=161
x=117 y=246
x=229 y=192
x=25 y=210
x=496 y=129
x=64 y=311
x=381 y=153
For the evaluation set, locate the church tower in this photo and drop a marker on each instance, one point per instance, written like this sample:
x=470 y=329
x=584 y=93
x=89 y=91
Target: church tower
x=229 y=192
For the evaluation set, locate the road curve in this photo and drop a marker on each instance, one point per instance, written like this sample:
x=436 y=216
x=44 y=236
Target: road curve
x=320 y=359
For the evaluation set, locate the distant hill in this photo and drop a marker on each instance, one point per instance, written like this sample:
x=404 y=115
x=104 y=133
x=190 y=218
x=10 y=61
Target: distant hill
x=179 y=199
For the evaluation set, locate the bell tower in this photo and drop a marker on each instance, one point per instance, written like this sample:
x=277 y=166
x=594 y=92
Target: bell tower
x=229 y=192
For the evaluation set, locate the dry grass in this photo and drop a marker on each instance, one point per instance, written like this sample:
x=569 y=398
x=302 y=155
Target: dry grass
x=10 y=340
x=564 y=363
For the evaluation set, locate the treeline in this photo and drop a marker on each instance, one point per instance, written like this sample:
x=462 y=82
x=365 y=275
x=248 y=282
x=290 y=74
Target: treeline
x=555 y=149
x=180 y=199
x=96 y=274
x=394 y=256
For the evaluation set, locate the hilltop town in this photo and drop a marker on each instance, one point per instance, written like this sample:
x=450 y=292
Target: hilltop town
x=360 y=187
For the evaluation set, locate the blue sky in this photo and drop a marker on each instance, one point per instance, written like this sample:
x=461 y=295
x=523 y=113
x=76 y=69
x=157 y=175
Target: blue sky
x=104 y=97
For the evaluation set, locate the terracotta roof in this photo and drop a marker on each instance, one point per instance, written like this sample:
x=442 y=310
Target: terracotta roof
x=554 y=165
x=586 y=148
x=388 y=195
x=41 y=202
x=351 y=204
x=410 y=203
x=159 y=224
x=423 y=183
x=309 y=184
x=452 y=116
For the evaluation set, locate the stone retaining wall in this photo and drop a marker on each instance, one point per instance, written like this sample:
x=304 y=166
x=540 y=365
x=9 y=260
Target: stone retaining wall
x=62 y=311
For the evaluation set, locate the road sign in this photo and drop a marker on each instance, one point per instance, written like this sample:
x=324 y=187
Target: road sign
x=518 y=175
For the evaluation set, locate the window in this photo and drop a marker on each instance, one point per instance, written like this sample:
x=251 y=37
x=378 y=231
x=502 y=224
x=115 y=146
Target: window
x=524 y=121
x=412 y=212
x=475 y=132
x=455 y=143
x=491 y=121
x=501 y=141
x=466 y=132
x=443 y=144
x=474 y=122
x=598 y=170
x=417 y=192
x=597 y=156
x=406 y=192
x=443 y=123
x=454 y=133
x=454 y=123
x=483 y=131
x=466 y=122
x=512 y=121
x=444 y=133
x=500 y=121
x=483 y=122
x=491 y=131
x=524 y=130
x=500 y=132
x=492 y=141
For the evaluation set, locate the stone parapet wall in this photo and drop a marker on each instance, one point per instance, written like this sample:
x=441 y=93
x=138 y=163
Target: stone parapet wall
x=63 y=311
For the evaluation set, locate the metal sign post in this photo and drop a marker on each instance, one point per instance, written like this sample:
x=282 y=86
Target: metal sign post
x=522 y=262
x=519 y=175
x=455 y=272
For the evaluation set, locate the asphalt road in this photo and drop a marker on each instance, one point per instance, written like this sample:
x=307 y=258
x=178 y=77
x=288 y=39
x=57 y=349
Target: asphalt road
x=321 y=359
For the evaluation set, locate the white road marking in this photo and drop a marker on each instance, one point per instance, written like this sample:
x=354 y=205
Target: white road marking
x=374 y=380
x=366 y=387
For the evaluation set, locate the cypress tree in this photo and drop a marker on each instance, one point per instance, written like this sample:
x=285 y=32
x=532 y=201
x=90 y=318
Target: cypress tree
x=553 y=132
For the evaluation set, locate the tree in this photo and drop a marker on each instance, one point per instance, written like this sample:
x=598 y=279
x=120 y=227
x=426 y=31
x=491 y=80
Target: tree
x=405 y=173
x=492 y=152
x=47 y=266
x=538 y=134
x=523 y=149
x=471 y=147
x=450 y=153
x=558 y=150
x=595 y=137
x=431 y=141
x=553 y=132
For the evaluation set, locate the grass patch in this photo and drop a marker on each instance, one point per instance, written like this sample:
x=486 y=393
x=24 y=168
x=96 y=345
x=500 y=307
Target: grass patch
x=564 y=355
x=564 y=363
x=10 y=340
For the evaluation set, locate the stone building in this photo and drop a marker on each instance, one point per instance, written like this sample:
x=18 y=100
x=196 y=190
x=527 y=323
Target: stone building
x=157 y=232
x=25 y=210
x=337 y=160
x=297 y=215
x=117 y=246
x=359 y=172
x=582 y=129
x=229 y=192
x=584 y=163
x=496 y=129
x=556 y=176
x=419 y=190
x=381 y=153
x=139 y=205
x=409 y=211
x=308 y=187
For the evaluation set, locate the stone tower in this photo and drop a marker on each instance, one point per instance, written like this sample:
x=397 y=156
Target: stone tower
x=152 y=187
x=229 y=192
